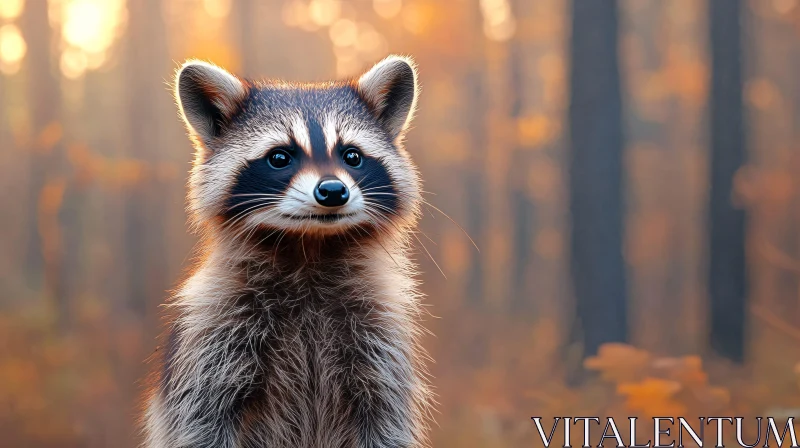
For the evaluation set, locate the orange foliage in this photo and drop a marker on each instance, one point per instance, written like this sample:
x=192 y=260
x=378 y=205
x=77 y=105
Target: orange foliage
x=55 y=385
x=49 y=137
x=50 y=200
x=652 y=396
x=537 y=130
x=90 y=167
x=658 y=386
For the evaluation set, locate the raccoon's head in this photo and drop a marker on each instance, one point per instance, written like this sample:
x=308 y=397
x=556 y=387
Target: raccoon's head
x=317 y=159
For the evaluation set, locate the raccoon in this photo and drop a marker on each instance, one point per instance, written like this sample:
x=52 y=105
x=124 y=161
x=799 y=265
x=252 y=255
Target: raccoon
x=300 y=325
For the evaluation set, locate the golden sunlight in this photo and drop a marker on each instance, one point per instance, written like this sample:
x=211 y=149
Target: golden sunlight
x=324 y=12
x=344 y=33
x=498 y=22
x=296 y=14
x=353 y=42
x=371 y=44
x=73 y=63
x=89 y=28
x=217 y=9
x=12 y=49
x=387 y=8
x=347 y=61
x=11 y=9
x=784 y=6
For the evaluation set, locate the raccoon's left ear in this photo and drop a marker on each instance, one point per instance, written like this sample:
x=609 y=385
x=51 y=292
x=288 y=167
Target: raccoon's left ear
x=390 y=88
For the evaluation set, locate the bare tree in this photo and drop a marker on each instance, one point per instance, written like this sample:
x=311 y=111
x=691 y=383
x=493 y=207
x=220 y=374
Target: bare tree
x=144 y=203
x=596 y=174
x=522 y=208
x=45 y=163
x=727 y=280
x=474 y=86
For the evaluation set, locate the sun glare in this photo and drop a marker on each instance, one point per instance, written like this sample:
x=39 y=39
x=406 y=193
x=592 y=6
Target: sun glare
x=89 y=29
x=498 y=22
x=217 y=9
x=73 y=63
x=387 y=8
x=11 y=9
x=324 y=12
x=12 y=49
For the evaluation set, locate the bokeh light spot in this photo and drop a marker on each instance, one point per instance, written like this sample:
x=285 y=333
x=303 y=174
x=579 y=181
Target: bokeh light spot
x=387 y=8
x=217 y=9
x=12 y=49
x=73 y=63
x=89 y=29
x=324 y=12
x=11 y=9
x=343 y=33
x=498 y=22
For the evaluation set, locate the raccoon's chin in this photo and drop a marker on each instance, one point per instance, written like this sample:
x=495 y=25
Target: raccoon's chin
x=309 y=223
x=326 y=218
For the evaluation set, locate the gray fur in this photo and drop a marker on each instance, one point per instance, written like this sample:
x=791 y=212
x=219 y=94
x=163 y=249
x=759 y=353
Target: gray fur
x=287 y=334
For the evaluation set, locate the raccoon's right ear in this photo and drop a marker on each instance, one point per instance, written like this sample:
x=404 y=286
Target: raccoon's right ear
x=207 y=97
x=390 y=88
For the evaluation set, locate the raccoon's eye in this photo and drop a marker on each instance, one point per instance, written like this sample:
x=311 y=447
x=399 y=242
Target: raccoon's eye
x=352 y=157
x=279 y=159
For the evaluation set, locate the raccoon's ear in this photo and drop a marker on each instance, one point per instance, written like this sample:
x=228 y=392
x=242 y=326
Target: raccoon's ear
x=390 y=88
x=207 y=97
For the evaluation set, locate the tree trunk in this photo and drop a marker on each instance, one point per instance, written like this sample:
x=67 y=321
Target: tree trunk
x=145 y=206
x=596 y=203
x=727 y=281
x=43 y=263
x=522 y=207
x=474 y=181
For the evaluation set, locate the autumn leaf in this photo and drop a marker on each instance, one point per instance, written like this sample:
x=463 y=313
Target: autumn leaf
x=653 y=396
x=619 y=362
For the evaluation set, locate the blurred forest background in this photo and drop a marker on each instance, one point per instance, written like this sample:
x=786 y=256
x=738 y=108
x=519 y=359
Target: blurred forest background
x=628 y=169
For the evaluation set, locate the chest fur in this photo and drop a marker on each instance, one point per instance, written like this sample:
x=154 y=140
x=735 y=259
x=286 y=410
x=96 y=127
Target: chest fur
x=292 y=357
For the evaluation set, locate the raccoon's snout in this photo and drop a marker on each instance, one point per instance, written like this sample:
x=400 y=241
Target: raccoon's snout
x=331 y=192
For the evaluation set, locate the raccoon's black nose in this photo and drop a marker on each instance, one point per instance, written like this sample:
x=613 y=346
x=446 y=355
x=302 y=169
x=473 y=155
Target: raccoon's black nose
x=331 y=192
